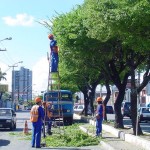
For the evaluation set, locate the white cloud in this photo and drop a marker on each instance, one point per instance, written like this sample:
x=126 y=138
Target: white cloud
x=40 y=75
x=19 y=20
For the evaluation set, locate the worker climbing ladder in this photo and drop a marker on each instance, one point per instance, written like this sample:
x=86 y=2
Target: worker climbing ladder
x=54 y=86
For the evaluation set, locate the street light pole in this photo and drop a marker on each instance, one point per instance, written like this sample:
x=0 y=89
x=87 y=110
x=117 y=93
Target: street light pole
x=10 y=38
x=13 y=66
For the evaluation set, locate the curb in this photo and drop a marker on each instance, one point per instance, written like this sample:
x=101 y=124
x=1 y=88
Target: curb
x=137 y=141
x=145 y=144
x=106 y=146
x=102 y=143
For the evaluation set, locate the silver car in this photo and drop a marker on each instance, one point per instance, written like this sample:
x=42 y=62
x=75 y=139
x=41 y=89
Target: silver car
x=7 y=118
x=144 y=114
x=78 y=108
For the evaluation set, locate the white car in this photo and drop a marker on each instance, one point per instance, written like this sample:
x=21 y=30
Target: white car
x=78 y=109
x=7 y=118
x=144 y=114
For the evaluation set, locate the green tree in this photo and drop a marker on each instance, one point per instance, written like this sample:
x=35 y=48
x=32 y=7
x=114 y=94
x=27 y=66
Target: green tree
x=105 y=41
x=118 y=20
x=2 y=77
x=74 y=46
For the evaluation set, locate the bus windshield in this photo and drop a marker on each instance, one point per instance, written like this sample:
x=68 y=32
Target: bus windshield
x=55 y=96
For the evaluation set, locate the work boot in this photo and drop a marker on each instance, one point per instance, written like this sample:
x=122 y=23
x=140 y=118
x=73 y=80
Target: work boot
x=49 y=133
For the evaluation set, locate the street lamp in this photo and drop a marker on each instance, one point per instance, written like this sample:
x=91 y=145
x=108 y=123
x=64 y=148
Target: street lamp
x=10 y=38
x=14 y=65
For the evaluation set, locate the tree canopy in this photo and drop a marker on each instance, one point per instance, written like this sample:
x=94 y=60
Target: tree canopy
x=104 y=41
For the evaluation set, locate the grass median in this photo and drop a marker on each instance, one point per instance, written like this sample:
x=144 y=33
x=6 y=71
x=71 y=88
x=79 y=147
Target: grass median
x=67 y=136
x=71 y=136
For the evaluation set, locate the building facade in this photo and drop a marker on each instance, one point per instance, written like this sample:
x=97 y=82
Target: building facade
x=22 y=85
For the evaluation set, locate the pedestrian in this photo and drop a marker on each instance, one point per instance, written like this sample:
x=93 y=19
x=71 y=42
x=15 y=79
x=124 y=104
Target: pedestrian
x=48 y=116
x=99 y=116
x=53 y=53
x=37 y=117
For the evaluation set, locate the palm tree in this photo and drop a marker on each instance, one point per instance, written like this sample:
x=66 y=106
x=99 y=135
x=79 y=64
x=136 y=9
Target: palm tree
x=2 y=75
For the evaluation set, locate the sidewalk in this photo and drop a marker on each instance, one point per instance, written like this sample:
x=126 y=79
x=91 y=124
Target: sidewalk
x=114 y=139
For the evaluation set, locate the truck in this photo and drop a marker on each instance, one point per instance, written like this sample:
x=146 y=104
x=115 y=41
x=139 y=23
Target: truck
x=62 y=104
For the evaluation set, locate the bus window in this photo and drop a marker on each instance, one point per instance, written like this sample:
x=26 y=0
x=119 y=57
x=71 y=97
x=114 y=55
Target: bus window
x=55 y=96
x=50 y=96
x=66 y=97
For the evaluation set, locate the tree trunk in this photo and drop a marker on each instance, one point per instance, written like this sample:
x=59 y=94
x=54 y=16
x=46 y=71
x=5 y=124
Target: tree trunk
x=120 y=82
x=107 y=98
x=135 y=123
x=1 y=93
x=117 y=106
x=92 y=98
x=86 y=102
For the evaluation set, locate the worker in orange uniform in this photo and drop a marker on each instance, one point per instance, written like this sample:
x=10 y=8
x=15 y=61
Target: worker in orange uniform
x=37 y=117
x=99 y=116
x=54 y=53
x=48 y=116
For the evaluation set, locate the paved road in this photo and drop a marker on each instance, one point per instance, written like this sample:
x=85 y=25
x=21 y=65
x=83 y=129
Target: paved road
x=12 y=142
x=127 y=122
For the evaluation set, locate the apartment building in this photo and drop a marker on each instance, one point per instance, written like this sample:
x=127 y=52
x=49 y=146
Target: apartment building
x=22 y=85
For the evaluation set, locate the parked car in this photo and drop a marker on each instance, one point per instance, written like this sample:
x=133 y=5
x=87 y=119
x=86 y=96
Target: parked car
x=28 y=108
x=7 y=118
x=109 y=110
x=148 y=105
x=144 y=114
x=78 y=108
x=126 y=109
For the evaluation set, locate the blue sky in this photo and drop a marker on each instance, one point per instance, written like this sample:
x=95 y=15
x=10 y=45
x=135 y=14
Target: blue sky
x=18 y=19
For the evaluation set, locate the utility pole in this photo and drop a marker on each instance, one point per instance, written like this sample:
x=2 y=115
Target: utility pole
x=13 y=66
x=13 y=102
x=18 y=88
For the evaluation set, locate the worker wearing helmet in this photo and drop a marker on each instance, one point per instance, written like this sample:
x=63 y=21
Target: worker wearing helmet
x=99 y=116
x=54 y=53
x=36 y=117
x=48 y=116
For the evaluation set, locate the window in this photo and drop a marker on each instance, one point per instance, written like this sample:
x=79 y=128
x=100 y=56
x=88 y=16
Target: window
x=146 y=110
x=80 y=107
x=55 y=96
x=5 y=112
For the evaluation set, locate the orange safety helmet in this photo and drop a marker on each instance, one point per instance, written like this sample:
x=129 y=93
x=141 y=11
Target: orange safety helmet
x=38 y=99
x=99 y=99
x=50 y=36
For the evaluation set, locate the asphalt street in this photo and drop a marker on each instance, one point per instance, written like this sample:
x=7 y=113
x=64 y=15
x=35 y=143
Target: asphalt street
x=12 y=142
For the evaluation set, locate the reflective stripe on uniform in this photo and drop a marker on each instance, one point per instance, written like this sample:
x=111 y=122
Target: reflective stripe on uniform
x=34 y=113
